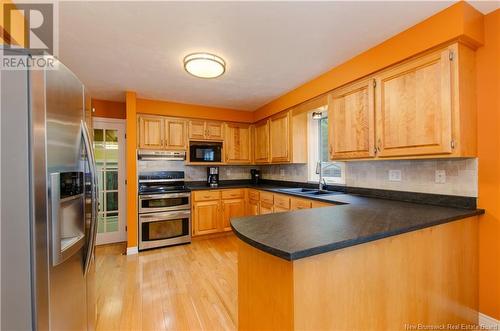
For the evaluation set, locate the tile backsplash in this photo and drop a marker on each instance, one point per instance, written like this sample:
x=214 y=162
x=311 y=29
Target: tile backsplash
x=196 y=173
x=416 y=175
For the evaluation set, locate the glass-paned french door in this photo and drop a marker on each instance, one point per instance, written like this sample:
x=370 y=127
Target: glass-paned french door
x=109 y=151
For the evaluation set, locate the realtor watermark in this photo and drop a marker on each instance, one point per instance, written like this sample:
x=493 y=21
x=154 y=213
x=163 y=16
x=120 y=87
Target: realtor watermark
x=29 y=35
x=449 y=326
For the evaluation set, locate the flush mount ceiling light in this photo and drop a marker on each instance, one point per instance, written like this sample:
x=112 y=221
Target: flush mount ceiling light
x=204 y=65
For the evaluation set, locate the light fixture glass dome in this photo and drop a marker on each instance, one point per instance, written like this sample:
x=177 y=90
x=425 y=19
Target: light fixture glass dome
x=204 y=65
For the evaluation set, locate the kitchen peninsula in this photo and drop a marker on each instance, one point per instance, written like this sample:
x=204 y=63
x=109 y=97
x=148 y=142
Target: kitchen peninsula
x=363 y=263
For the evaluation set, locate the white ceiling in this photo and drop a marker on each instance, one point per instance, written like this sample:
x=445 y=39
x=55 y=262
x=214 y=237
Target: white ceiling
x=270 y=47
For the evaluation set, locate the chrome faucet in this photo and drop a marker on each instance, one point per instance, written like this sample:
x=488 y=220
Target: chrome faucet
x=319 y=170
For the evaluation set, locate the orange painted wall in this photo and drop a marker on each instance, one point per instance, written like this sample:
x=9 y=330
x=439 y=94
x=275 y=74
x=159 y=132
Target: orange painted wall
x=459 y=21
x=131 y=161
x=488 y=104
x=167 y=108
x=108 y=109
x=16 y=30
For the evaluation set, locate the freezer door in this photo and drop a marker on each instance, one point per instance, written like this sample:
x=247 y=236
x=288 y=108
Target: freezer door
x=66 y=153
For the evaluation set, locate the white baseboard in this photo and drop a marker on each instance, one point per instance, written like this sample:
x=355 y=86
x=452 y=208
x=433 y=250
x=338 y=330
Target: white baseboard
x=132 y=250
x=489 y=323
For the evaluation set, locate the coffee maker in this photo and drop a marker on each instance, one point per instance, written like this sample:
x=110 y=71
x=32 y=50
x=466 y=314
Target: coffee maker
x=213 y=176
x=255 y=179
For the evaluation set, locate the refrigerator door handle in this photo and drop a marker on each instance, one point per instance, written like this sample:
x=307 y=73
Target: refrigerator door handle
x=94 y=194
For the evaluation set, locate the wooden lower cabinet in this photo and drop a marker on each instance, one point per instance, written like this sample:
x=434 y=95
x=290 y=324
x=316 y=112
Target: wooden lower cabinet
x=298 y=203
x=214 y=209
x=266 y=208
x=253 y=208
x=206 y=216
x=231 y=208
x=319 y=204
x=280 y=209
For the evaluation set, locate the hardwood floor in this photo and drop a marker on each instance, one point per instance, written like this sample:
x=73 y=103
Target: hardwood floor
x=188 y=287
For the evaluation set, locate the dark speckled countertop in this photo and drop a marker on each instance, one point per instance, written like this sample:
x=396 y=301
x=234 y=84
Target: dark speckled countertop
x=352 y=220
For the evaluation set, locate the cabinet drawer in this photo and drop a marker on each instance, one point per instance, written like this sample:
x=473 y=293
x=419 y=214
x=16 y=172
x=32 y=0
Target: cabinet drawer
x=319 y=204
x=266 y=197
x=232 y=194
x=300 y=204
x=282 y=201
x=206 y=195
x=253 y=195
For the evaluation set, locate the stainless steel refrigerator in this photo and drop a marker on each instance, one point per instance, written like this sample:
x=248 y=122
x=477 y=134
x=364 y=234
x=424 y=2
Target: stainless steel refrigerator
x=48 y=202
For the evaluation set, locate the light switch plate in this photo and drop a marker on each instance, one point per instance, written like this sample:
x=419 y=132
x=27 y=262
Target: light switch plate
x=440 y=177
x=395 y=175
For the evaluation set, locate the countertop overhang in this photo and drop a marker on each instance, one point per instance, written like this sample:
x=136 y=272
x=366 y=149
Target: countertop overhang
x=351 y=220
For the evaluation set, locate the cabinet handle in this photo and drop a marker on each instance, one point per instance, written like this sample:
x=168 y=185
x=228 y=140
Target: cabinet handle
x=379 y=142
x=330 y=149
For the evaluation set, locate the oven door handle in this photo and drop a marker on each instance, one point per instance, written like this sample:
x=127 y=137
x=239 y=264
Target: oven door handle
x=163 y=196
x=155 y=217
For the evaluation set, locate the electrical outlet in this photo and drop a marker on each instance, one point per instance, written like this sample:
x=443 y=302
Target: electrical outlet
x=282 y=172
x=395 y=175
x=228 y=172
x=440 y=177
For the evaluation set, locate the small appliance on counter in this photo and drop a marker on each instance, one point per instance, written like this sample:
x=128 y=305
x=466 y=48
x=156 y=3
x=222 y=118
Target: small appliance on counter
x=213 y=176
x=255 y=179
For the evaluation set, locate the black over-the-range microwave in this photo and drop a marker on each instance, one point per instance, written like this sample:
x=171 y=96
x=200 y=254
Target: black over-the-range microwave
x=202 y=151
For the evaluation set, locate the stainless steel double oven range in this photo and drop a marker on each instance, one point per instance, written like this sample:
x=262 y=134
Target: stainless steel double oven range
x=164 y=209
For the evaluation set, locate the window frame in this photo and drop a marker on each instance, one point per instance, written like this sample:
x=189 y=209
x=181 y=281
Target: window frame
x=314 y=150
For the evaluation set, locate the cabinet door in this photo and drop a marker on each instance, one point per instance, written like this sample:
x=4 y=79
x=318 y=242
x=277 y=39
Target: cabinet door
x=253 y=207
x=266 y=208
x=206 y=217
x=238 y=143
x=261 y=142
x=414 y=106
x=214 y=130
x=197 y=129
x=231 y=208
x=279 y=127
x=151 y=132
x=351 y=121
x=175 y=134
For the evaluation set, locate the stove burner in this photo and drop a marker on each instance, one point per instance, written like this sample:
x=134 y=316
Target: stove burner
x=161 y=182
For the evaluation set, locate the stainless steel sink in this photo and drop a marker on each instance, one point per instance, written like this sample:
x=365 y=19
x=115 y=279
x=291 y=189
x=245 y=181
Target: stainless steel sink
x=309 y=191
x=299 y=190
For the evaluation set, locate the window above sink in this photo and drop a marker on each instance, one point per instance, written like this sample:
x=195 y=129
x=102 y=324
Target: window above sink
x=333 y=172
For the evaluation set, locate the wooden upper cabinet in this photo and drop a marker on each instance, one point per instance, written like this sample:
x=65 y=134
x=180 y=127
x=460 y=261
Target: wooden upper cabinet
x=351 y=126
x=214 y=130
x=151 y=130
x=206 y=130
x=414 y=107
x=238 y=143
x=197 y=129
x=280 y=146
x=261 y=142
x=175 y=134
